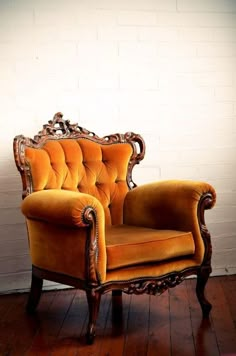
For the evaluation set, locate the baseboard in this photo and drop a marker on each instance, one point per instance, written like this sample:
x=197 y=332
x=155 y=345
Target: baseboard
x=223 y=271
x=20 y=283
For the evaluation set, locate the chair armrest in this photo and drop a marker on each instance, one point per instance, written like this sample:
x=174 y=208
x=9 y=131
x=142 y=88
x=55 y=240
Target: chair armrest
x=171 y=204
x=61 y=207
x=73 y=211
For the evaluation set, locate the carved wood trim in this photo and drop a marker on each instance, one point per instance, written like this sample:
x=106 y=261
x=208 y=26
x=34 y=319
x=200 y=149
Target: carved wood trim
x=57 y=129
x=154 y=287
x=148 y=285
x=206 y=202
x=91 y=248
x=19 y=144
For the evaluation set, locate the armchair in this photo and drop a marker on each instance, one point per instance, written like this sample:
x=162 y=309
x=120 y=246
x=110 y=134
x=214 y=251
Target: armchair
x=90 y=226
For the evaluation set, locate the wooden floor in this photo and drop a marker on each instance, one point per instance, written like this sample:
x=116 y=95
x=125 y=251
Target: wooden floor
x=169 y=324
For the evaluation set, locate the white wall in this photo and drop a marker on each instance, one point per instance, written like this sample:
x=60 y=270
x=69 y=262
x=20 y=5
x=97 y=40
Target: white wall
x=166 y=69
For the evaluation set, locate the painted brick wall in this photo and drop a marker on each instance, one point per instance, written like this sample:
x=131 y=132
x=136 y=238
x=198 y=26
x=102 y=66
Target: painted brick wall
x=166 y=69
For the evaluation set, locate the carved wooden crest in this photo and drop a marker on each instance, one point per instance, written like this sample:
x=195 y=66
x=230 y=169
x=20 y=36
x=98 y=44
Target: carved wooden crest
x=58 y=129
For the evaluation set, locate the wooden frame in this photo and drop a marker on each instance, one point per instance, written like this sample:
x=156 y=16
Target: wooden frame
x=59 y=129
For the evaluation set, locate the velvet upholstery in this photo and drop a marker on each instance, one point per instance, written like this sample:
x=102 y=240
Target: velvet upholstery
x=128 y=245
x=170 y=204
x=61 y=211
x=91 y=227
x=85 y=166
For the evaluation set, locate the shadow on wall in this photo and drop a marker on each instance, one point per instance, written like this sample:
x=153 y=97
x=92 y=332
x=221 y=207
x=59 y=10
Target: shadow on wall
x=14 y=257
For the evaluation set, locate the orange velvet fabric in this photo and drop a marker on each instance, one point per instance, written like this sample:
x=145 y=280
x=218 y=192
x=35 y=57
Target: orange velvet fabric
x=169 y=204
x=130 y=245
x=85 y=166
x=50 y=213
x=150 y=269
x=57 y=248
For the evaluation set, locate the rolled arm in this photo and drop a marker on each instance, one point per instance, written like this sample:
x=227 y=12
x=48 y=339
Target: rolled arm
x=61 y=207
x=77 y=214
x=171 y=204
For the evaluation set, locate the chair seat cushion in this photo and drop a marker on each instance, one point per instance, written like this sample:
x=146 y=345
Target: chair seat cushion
x=128 y=245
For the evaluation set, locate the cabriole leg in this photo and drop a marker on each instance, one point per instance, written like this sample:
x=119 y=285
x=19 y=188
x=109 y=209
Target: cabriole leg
x=202 y=278
x=35 y=293
x=93 y=299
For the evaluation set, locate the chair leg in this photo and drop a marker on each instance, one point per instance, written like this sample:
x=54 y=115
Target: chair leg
x=116 y=293
x=35 y=293
x=202 y=279
x=117 y=305
x=93 y=299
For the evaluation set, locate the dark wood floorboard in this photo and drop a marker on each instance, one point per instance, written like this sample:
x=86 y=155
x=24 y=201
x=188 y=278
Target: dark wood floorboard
x=229 y=287
x=181 y=334
x=159 y=326
x=116 y=327
x=167 y=325
x=204 y=337
x=221 y=318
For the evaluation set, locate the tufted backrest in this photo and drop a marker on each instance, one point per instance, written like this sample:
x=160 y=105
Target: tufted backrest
x=67 y=156
x=85 y=166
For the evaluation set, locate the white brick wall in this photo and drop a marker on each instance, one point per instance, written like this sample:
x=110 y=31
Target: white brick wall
x=163 y=68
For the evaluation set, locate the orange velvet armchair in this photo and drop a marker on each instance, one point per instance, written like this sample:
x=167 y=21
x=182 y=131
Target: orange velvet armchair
x=90 y=226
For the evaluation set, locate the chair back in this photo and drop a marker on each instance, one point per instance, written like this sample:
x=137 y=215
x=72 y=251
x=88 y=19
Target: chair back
x=67 y=156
